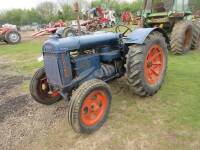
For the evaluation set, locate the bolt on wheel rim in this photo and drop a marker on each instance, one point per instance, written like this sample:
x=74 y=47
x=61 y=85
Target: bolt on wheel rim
x=154 y=65
x=93 y=108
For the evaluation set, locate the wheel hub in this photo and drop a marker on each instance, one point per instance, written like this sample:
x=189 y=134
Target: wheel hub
x=14 y=37
x=93 y=108
x=149 y=64
x=44 y=89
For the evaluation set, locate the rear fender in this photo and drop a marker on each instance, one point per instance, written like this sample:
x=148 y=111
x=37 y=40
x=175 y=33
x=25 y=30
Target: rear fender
x=139 y=35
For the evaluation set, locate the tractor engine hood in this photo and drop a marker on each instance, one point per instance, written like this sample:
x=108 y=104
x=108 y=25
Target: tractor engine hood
x=55 y=44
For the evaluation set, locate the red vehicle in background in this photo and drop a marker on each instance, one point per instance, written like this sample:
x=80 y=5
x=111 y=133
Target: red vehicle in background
x=98 y=19
x=50 y=29
x=9 y=35
x=126 y=17
x=104 y=18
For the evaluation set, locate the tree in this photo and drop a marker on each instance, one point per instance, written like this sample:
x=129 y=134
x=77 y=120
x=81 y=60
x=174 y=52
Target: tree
x=20 y=17
x=13 y=16
x=34 y=16
x=68 y=12
x=60 y=15
x=48 y=10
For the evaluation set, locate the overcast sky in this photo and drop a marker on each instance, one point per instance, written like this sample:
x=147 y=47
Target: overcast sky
x=9 y=4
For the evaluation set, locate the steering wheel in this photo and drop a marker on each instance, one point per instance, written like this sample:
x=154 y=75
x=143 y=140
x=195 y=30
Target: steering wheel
x=117 y=29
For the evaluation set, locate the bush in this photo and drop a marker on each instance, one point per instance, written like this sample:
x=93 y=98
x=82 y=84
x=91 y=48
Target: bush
x=67 y=11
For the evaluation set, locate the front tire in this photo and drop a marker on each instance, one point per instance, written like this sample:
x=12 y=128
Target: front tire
x=40 y=91
x=146 y=65
x=89 y=106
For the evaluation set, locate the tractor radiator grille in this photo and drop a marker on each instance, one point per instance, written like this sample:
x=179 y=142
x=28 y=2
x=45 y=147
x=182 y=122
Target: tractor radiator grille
x=58 y=68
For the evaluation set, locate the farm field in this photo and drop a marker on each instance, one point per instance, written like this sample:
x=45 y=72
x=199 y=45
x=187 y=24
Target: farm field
x=168 y=120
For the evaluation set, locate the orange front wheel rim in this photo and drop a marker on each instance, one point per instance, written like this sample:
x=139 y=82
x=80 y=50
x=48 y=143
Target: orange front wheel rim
x=94 y=107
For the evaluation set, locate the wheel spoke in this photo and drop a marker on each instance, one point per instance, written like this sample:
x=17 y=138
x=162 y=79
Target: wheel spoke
x=150 y=75
x=157 y=64
x=154 y=72
x=155 y=56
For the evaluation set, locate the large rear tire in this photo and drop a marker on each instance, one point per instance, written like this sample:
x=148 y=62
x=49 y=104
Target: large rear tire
x=196 y=34
x=89 y=106
x=181 y=37
x=40 y=91
x=146 y=65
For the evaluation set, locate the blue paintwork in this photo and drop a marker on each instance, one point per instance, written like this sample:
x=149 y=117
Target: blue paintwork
x=58 y=62
x=86 y=62
x=84 y=42
x=107 y=56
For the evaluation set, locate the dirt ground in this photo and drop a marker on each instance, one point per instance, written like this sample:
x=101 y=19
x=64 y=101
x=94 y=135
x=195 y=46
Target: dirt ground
x=22 y=121
x=27 y=36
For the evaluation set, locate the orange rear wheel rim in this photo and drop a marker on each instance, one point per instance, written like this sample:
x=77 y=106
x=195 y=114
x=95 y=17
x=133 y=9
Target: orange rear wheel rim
x=154 y=64
x=94 y=107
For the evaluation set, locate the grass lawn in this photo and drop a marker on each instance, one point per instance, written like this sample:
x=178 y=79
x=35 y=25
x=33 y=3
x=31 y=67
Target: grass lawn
x=168 y=120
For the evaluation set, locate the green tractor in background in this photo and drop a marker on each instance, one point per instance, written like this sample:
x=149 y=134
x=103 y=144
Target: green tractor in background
x=175 y=17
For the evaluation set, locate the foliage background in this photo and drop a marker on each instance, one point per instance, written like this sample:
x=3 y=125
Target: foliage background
x=46 y=12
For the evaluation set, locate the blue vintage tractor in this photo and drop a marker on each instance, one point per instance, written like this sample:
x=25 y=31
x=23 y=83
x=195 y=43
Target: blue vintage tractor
x=77 y=69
